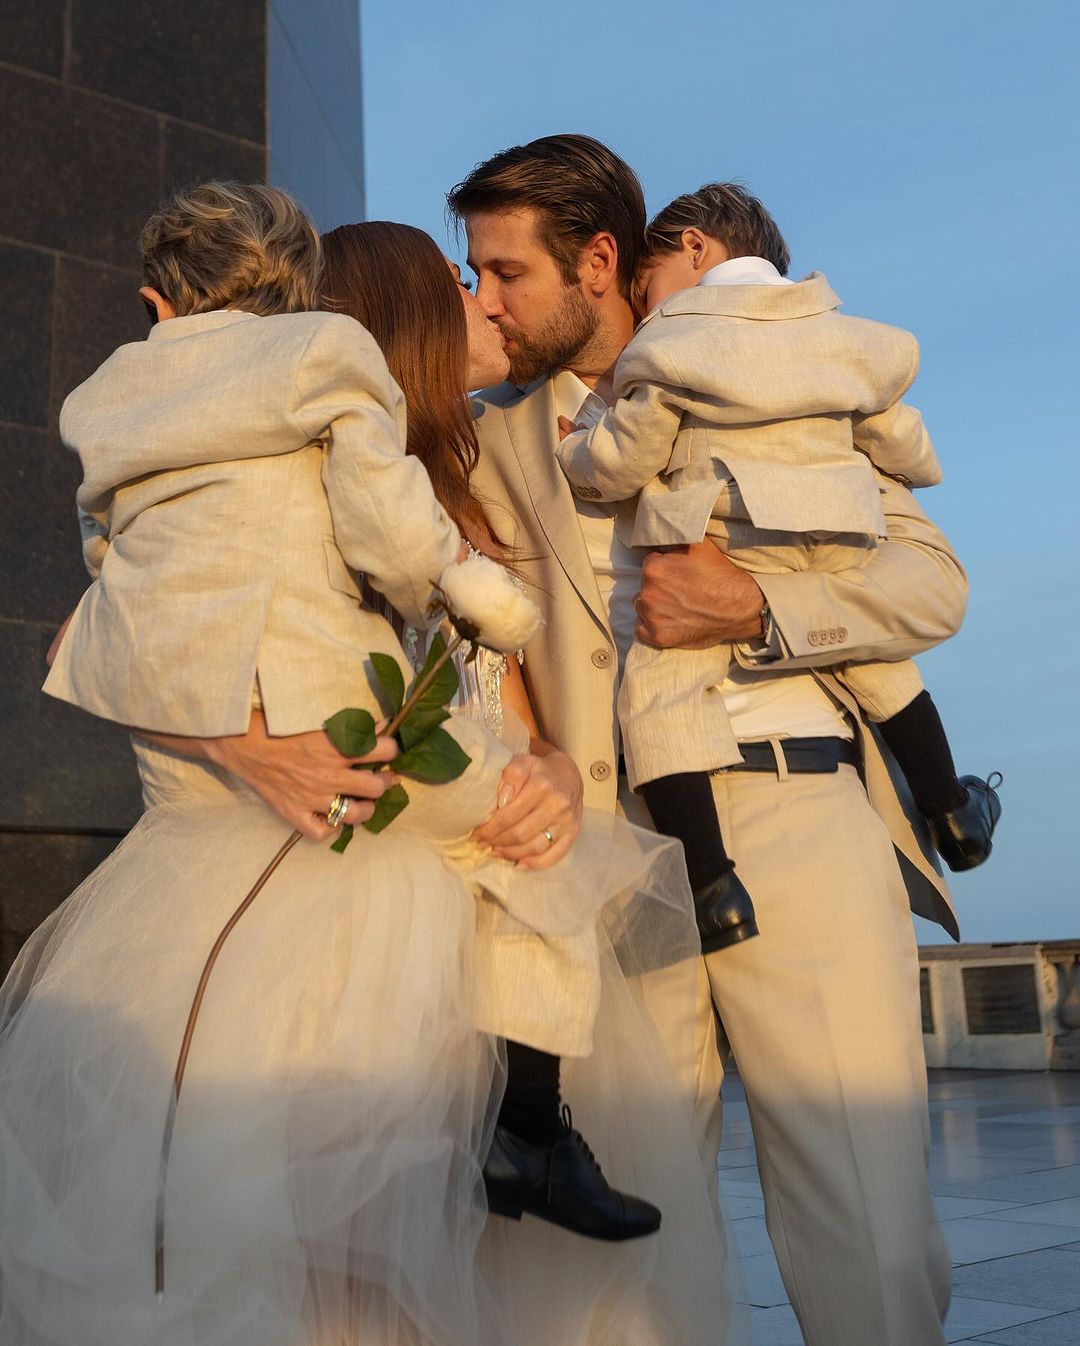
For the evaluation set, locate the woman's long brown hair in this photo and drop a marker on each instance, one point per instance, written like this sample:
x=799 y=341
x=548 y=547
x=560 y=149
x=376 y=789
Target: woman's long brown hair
x=393 y=279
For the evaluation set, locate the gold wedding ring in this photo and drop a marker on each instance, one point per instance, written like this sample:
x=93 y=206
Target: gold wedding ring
x=550 y=838
x=339 y=807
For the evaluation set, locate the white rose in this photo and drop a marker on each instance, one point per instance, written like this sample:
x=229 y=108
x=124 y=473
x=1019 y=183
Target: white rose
x=486 y=596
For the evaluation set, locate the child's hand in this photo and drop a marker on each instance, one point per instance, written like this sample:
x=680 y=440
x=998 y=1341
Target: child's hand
x=567 y=427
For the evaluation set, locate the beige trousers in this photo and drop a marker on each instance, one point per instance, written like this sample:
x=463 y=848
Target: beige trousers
x=822 y=1014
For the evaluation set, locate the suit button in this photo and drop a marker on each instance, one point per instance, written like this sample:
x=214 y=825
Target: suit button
x=601 y=658
x=588 y=492
x=600 y=770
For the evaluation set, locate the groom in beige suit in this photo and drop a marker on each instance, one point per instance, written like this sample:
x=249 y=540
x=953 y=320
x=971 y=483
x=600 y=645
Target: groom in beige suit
x=821 y=1010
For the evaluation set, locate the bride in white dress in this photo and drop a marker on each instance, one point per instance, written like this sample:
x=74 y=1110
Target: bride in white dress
x=324 y=1178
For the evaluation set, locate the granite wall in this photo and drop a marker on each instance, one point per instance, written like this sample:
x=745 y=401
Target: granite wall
x=316 y=121
x=104 y=106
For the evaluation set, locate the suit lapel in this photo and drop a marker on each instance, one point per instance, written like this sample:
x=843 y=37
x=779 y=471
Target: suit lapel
x=532 y=425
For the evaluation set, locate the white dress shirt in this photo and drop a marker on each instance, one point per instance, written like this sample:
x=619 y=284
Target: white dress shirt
x=744 y=271
x=617 y=567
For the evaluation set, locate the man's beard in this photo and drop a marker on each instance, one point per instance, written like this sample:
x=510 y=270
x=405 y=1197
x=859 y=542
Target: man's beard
x=557 y=343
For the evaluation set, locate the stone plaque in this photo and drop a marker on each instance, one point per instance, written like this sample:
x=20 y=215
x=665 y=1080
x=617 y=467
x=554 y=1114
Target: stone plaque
x=1001 y=999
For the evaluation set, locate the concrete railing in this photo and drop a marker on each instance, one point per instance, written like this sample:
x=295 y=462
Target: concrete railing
x=1002 y=1006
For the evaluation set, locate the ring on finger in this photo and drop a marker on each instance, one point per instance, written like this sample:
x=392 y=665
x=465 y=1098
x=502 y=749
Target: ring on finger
x=338 y=810
x=547 y=833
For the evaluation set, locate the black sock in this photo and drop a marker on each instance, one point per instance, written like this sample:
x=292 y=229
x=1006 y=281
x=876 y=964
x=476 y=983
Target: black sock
x=530 y=1106
x=916 y=738
x=682 y=806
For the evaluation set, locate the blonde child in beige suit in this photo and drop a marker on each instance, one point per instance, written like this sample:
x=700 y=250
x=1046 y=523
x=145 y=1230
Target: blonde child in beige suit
x=751 y=412
x=326 y=1152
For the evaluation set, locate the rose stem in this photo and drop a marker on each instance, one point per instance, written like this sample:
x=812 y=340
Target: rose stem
x=185 y=1047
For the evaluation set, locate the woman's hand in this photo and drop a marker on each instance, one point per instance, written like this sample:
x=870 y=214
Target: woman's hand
x=298 y=775
x=537 y=793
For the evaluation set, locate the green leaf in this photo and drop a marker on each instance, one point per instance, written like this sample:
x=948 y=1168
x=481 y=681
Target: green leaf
x=438 y=758
x=341 y=845
x=443 y=685
x=352 y=732
x=387 y=808
x=390 y=679
x=418 y=724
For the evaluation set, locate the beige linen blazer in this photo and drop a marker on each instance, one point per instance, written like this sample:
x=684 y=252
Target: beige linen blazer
x=237 y=471
x=745 y=402
x=910 y=596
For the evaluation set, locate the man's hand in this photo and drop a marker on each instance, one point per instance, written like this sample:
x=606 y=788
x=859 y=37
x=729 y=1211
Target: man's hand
x=299 y=775
x=536 y=793
x=693 y=597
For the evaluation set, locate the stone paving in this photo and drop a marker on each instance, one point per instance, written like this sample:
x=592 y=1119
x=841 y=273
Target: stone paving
x=1005 y=1171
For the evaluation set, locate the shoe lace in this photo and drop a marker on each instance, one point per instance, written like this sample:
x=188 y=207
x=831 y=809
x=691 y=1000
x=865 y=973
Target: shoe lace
x=567 y=1119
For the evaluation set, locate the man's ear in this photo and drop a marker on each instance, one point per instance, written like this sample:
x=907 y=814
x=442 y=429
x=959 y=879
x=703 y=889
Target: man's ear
x=600 y=264
x=157 y=301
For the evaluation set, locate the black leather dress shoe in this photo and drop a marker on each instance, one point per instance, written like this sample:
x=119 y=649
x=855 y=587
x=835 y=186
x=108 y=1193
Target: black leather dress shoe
x=562 y=1183
x=725 y=912
x=962 y=837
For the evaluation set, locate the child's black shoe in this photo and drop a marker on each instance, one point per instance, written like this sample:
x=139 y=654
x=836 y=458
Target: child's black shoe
x=963 y=836
x=725 y=912
x=563 y=1184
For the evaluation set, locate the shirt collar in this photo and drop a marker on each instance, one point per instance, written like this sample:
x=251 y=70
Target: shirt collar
x=192 y=323
x=744 y=271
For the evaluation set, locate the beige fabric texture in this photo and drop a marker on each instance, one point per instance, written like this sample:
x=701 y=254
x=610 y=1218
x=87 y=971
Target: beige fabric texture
x=821 y=1012
x=908 y=597
x=250 y=466
x=751 y=415
x=755 y=402
x=823 y=1007
x=237 y=471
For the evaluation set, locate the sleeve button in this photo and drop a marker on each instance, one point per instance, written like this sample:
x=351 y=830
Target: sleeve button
x=600 y=770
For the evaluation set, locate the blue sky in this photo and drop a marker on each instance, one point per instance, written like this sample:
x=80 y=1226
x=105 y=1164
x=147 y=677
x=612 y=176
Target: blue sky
x=924 y=156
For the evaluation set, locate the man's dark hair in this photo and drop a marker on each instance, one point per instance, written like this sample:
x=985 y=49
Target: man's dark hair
x=727 y=212
x=579 y=188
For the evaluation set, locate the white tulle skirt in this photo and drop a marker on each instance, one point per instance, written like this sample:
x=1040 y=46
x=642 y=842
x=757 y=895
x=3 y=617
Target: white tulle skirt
x=323 y=1183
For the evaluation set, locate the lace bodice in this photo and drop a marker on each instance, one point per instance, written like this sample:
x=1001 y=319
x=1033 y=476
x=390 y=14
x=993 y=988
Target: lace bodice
x=480 y=683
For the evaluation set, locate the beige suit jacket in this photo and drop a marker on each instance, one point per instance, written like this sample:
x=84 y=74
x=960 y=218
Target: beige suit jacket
x=749 y=402
x=237 y=471
x=909 y=597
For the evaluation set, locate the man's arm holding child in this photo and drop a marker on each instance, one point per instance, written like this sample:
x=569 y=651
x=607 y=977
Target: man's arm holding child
x=909 y=597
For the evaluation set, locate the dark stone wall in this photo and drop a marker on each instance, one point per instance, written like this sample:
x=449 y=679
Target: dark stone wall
x=103 y=108
x=316 y=119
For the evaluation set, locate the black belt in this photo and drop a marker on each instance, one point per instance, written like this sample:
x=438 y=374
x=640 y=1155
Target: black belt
x=804 y=756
